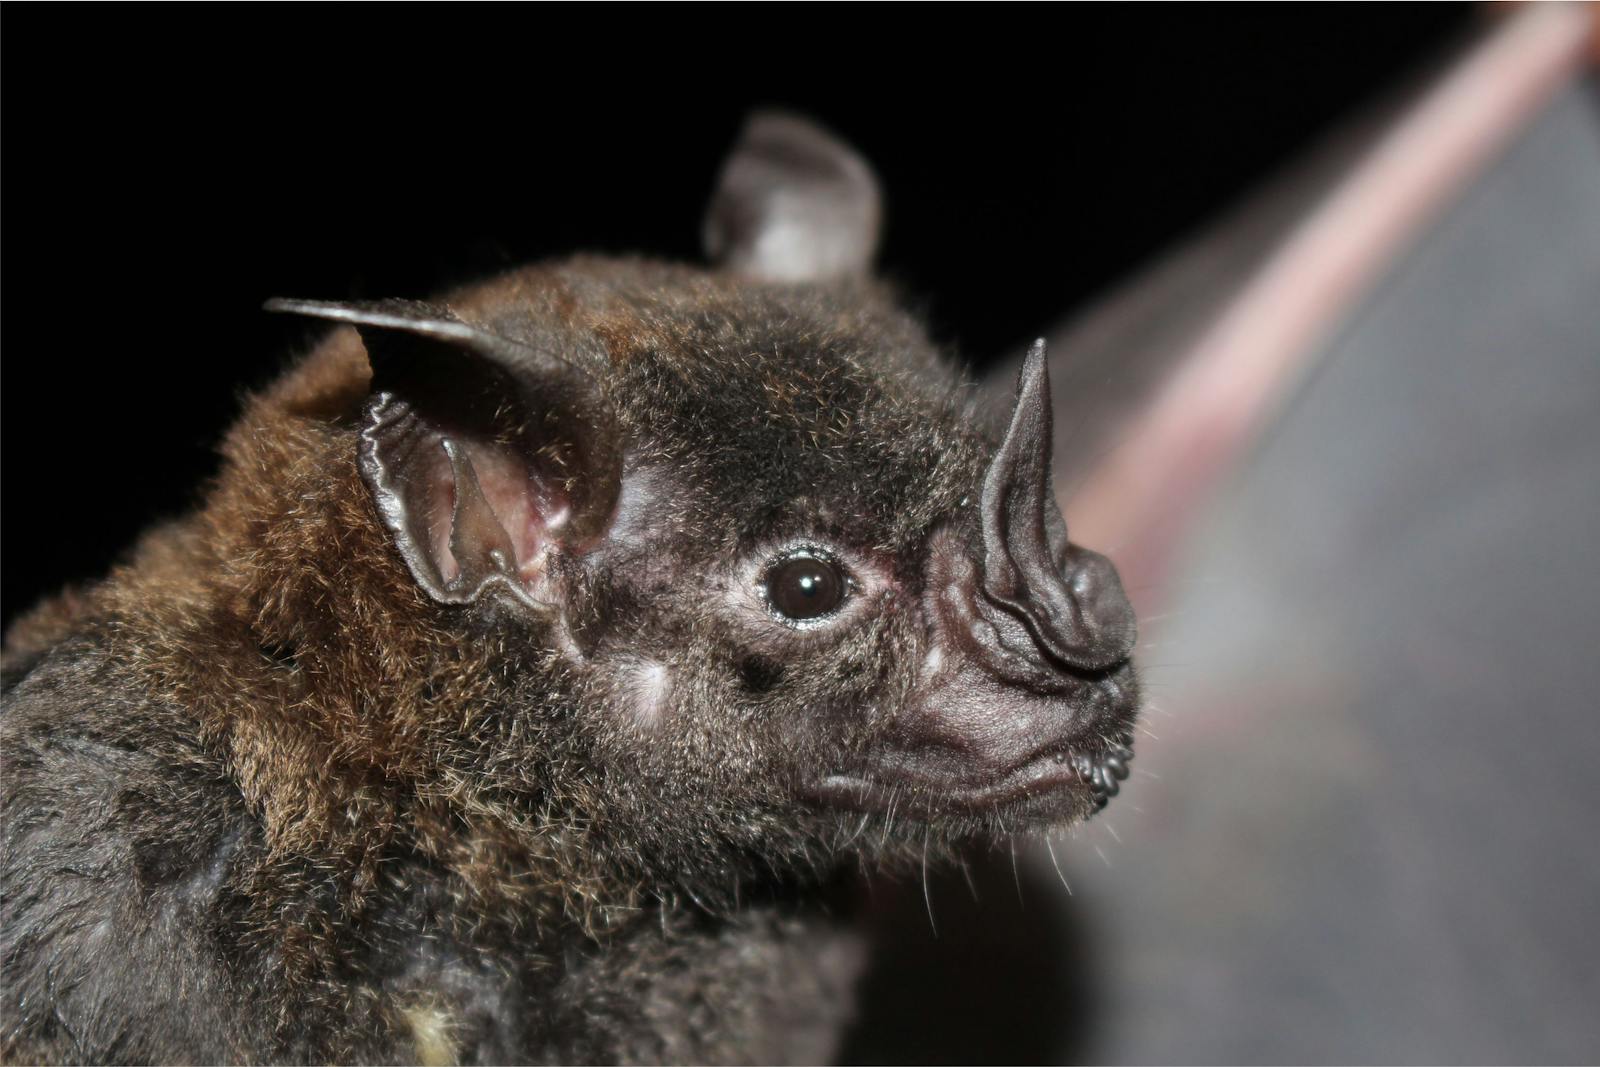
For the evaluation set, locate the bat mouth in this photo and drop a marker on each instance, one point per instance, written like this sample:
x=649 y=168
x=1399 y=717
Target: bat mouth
x=1106 y=775
x=1059 y=782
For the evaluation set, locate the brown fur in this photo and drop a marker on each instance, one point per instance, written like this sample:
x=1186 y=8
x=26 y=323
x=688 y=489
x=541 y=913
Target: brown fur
x=272 y=796
x=276 y=634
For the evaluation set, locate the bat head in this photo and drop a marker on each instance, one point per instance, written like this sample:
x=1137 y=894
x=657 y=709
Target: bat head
x=754 y=574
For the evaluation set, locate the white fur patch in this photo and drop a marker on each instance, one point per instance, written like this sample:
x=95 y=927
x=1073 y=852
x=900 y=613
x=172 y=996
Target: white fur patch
x=646 y=689
x=434 y=1033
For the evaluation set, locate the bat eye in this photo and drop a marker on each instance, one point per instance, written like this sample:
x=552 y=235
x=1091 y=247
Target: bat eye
x=804 y=587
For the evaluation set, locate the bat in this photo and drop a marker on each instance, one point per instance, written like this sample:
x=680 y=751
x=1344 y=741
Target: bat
x=543 y=657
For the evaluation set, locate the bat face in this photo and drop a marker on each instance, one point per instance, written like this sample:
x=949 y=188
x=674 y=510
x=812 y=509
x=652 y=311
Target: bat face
x=745 y=553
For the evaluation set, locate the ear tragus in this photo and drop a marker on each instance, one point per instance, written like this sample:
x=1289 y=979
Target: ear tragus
x=481 y=452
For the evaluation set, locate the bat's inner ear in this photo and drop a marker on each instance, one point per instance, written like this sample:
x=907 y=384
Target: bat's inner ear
x=793 y=204
x=481 y=453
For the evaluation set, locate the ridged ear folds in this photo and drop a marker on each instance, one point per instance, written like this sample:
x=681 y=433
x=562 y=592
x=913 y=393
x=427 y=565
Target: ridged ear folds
x=482 y=453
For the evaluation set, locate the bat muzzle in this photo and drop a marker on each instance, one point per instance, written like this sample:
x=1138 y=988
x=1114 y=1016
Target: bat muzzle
x=1026 y=701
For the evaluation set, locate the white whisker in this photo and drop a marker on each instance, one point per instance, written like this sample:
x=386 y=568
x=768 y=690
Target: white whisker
x=1016 y=876
x=1057 y=865
x=966 y=874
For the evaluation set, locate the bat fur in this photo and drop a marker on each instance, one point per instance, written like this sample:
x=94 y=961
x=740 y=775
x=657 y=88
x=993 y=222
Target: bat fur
x=452 y=726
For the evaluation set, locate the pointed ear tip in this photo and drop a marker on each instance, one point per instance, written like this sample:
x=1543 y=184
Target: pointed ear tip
x=316 y=309
x=407 y=316
x=1034 y=365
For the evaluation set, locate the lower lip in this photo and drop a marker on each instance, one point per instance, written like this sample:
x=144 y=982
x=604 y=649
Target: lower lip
x=1043 y=788
x=1049 y=786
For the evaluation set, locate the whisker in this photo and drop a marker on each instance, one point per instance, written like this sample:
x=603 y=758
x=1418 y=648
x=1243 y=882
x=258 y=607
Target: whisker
x=966 y=874
x=1165 y=615
x=1016 y=876
x=1050 y=848
x=859 y=830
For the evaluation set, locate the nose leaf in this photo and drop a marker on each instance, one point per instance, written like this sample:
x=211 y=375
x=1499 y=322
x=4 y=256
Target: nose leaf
x=1070 y=600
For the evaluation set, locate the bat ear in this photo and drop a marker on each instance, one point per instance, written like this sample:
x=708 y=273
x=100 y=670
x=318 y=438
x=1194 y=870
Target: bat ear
x=793 y=204
x=481 y=452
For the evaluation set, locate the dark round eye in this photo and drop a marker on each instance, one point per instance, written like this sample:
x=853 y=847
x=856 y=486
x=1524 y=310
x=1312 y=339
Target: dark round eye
x=805 y=587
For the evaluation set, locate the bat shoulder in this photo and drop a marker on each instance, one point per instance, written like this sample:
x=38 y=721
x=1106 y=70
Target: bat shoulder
x=117 y=840
x=771 y=983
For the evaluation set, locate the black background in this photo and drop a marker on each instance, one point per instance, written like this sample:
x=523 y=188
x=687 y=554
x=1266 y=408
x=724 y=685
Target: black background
x=166 y=172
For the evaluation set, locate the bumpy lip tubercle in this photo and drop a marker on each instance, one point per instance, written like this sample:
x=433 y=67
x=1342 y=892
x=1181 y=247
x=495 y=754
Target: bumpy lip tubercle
x=1106 y=775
